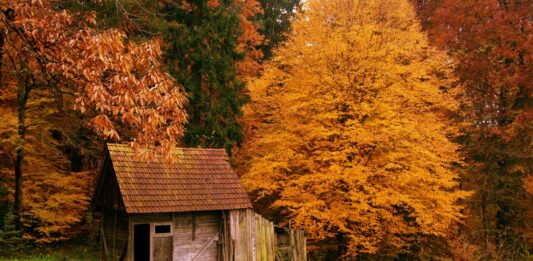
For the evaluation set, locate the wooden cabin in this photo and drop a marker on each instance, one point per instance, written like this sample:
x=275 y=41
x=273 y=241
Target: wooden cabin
x=192 y=209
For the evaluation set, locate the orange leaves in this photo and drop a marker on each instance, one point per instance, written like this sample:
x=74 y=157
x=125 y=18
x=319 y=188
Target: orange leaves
x=250 y=38
x=350 y=141
x=105 y=127
x=114 y=81
x=213 y=3
x=91 y=18
x=491 y=43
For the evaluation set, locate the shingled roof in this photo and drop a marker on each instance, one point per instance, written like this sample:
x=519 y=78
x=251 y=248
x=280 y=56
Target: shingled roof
x=199 y=180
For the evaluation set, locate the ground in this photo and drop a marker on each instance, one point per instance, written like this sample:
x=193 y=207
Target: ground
x=70 y=252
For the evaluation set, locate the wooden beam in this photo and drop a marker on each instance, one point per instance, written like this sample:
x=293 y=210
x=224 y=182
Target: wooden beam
x=193 y=226
x=123 y=252
x=115 y=235
x=102 y=233
x=130 y=237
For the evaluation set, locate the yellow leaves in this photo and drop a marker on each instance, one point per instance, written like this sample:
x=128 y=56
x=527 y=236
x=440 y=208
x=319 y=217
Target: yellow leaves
x=54 y=199
x=352 y=107
x=55 y=202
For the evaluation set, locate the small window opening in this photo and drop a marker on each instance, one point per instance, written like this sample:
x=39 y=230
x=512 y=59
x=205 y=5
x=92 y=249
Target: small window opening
x=162 y=229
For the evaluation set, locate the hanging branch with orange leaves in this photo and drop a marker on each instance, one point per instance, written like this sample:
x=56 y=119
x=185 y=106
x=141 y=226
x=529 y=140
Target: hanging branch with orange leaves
x=113 y=82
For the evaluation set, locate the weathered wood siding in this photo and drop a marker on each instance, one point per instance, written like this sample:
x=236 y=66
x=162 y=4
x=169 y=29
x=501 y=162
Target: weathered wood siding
x=235 y=235
x=242 y=230
x=114 y=234
x=265 y=239
x=298 y=245
x=254 y=239
x=196 y=236
x=107 y=194
x=163 y=249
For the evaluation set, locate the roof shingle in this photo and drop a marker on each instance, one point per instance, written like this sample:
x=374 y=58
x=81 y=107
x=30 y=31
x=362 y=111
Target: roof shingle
x=199 y=180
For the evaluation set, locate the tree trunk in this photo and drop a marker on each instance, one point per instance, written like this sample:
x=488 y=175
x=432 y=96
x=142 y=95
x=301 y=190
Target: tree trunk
x=341 y=244
x=1 y=56
x=485 y=227
x=22 y=98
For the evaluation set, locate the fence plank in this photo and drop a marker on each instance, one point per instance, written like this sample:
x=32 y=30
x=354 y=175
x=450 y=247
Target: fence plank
x=255 y=238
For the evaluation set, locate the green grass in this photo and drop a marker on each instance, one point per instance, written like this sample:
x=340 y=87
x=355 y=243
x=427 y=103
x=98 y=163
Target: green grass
x=63 y=253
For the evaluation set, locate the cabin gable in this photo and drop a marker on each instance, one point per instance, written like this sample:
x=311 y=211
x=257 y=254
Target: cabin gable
x=107 y=192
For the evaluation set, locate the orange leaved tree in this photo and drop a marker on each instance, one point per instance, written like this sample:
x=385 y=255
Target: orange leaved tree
x=58 y=55
x=249 y=40
x=492 y=44
x=352 y=139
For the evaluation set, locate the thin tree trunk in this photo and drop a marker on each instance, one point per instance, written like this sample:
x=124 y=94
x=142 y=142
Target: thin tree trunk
x=1 y=56
x=341 y=244
x=485 y=226
x=22 y=98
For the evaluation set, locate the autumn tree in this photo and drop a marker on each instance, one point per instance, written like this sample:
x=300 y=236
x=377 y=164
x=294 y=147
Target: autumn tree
x=491 y=41
x=211 y=47
x=56 y=192
x=250 y=39
x=351 y=141
x=58 y=56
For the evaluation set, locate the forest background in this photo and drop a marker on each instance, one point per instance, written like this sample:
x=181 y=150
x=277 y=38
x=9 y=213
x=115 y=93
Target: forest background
x=383 y=128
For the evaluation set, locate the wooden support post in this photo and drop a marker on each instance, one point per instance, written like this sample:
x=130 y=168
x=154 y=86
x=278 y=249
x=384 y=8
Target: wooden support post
x=130 y=236
x=102 y=233
x=123 y=252
x=115 y=235
x=193 y=226
x=292 y=245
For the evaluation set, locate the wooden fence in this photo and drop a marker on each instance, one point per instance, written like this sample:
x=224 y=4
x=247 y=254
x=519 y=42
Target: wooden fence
x=257 y=239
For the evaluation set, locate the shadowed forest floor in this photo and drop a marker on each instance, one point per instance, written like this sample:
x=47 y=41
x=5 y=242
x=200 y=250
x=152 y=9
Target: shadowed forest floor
x=71 y=251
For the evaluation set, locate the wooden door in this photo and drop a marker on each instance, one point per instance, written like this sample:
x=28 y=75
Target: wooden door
x=163 y=248
x=163 y=243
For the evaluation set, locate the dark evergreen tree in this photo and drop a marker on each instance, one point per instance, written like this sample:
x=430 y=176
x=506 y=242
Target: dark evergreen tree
x=202 y=39
x=276 y=22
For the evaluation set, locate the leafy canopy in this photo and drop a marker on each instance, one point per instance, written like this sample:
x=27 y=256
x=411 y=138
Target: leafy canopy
x=113 y=81
x=351 y=136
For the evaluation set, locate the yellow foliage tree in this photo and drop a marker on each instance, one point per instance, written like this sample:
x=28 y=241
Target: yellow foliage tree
x=56 y=199
x=351 y=132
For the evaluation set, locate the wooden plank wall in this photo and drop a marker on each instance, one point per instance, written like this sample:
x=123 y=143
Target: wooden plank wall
x=195 y=236
x=298 y=245
x=225 y=243
x=254 y=239
x=265 y=242
x=242 y=231
x=115 y=233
